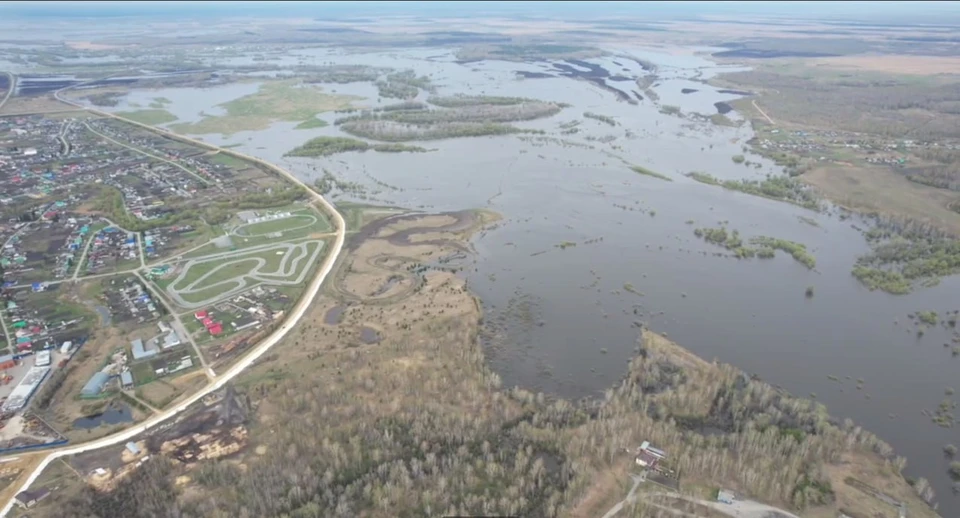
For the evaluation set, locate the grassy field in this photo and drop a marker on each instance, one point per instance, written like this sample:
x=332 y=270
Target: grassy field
x=153 y=116
x=292 y=223
x=229 y=161
x=233 y=269
x=880 y=189
x=285 y=100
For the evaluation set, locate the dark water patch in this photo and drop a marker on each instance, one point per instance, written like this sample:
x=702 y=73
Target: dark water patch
x=368 y=335
x=638 y=96
x=735 y=92
x=334 y=315
x=723 y=108
x=620 y=78
x=533 y=75
x=689 y=90
x=116 y=413
x=619 y=64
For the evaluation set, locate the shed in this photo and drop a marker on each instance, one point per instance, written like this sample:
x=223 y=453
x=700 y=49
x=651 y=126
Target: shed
x=132 y=448
x=28 y=499
x=126 y=379
x=95 y=385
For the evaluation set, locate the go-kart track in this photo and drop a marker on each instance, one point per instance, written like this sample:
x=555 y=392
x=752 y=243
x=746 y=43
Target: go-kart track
x=244 y=269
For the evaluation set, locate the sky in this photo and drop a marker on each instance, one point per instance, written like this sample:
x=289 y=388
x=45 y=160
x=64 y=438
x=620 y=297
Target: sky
x=920 y=11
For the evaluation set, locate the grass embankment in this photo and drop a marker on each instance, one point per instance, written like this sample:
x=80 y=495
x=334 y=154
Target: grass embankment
x=646 y=172
x=284 y=100
x=781 y=188
x=764 y=247
x=326 y=146
x=153 y=117
x=602 y=118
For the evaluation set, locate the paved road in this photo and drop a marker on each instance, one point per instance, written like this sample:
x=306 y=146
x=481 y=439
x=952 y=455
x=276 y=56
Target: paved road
x=178 y=325
x=12 y=87
x=294 y=316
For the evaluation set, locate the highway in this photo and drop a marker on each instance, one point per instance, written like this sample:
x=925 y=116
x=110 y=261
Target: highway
x=258 y=351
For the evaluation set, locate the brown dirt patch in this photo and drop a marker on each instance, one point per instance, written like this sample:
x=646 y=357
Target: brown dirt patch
x=872 y=472
x=25 y=105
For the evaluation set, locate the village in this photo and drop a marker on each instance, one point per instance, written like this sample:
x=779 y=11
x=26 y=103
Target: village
x=121 y=289
x=841 y=146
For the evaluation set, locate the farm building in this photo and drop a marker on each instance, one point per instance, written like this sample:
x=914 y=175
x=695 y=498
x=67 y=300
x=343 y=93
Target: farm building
x=140 y=351
x=96 y=384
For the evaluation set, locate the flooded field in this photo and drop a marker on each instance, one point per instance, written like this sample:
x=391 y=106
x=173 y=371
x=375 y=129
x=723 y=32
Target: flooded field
x=589 y=248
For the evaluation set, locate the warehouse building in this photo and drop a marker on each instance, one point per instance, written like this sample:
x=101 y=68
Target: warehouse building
x=96 y=385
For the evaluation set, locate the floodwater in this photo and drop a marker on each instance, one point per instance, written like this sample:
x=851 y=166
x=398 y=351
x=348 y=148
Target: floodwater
x=114 y=414
x=187 y=104
x=750 y=313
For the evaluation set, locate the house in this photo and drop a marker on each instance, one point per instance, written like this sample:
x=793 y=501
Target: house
x=140 y=351
x=126 y=379
x=648 y=456
x=215 y=329
x=200 y=315
x=95 y=385
x=28 y=499
x=725 y=497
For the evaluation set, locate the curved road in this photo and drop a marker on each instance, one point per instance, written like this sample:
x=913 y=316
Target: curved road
x=259 y=350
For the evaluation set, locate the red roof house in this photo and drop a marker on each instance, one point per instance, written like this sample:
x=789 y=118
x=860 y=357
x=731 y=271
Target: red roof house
x=215 y=329
x=200 y=315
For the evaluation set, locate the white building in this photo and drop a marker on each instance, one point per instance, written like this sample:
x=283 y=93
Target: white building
x=42 y=359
